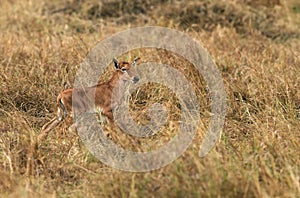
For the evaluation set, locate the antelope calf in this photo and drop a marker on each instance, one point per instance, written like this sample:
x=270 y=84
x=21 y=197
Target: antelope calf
x=101 y=95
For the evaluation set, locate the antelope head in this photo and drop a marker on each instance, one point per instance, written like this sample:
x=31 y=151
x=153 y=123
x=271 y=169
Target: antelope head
x=126 y=70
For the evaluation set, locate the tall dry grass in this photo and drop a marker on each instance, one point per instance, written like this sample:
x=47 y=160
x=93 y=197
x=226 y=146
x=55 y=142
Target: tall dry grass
x=256 y=47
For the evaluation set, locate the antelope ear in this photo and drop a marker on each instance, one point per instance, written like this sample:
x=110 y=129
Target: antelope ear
x=116 y=63
x=134 y=61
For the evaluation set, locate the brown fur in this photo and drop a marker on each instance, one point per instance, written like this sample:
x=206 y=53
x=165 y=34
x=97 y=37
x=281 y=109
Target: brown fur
x=101 y=93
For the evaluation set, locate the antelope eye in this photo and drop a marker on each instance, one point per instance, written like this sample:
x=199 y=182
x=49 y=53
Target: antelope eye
x=123 y=69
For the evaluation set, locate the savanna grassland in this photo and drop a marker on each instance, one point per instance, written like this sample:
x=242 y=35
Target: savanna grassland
x=256 y=46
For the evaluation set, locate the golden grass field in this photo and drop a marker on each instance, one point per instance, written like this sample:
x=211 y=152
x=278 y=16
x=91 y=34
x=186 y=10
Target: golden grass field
x=256 y=46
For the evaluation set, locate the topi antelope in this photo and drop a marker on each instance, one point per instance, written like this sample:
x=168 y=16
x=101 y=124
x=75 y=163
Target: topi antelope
x=101 y=92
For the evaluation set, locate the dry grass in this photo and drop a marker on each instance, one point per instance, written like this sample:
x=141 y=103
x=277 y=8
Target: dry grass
x=256 y=45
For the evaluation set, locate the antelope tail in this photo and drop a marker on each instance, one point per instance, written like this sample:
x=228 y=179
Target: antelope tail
x=62 y=106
